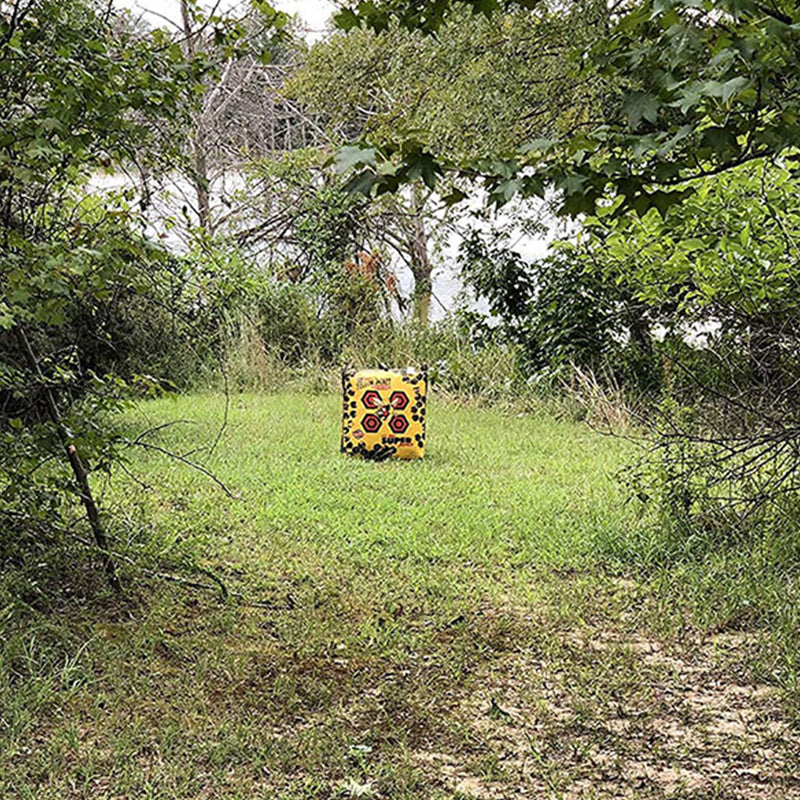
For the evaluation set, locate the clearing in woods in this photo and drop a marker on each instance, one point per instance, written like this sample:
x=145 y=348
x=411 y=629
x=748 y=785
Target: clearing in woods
x=453 y=627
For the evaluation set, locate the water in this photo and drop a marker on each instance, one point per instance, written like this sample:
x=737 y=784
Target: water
x=166 y=221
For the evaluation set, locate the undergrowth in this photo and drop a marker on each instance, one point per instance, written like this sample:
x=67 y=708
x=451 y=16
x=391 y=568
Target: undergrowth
x=365 y=603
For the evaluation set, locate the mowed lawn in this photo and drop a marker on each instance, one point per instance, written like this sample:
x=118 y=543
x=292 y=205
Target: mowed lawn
x=493 y=490
x=452 y=627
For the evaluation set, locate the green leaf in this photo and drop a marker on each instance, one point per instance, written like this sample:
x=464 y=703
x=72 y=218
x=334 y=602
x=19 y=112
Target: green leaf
x=533 y=186
x=354 y=156
x=361 y=183
x=582 y=203
x=485 y=7
x=661 y=201
x=455 y=197
x=744 y=235
x=420 y=164
x=506 y=189
x=346 y=19
x=731 y=87
x=638 y=106
x=537 y=145
x=720 y=140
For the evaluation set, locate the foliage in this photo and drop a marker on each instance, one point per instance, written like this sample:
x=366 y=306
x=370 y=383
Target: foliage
x=463 y=95
x=563 y=311
x=283 y=336
x=721 y=268
x=697 y=311
x=308 y=230
x=719 y=275
x=296 y=212
x=80 y=93
x=552 y=307
x=688 y=89
x=726 y=256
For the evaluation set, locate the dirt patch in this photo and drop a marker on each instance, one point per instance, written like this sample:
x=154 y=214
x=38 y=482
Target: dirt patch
x=613 y=716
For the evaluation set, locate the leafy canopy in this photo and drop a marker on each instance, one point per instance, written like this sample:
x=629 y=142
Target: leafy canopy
x=689 y=88
x=726 y=255
x=480 y=87
x=80 y=92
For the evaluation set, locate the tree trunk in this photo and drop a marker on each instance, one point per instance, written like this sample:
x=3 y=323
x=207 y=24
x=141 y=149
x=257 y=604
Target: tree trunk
x=75 y=461
x=640 y=332
x=417 y=241
x=199 y=178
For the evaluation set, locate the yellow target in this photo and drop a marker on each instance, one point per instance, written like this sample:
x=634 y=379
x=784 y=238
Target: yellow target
x=383 y=412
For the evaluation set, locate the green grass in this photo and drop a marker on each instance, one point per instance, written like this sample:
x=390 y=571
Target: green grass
x=462 y=626
x=492 y=489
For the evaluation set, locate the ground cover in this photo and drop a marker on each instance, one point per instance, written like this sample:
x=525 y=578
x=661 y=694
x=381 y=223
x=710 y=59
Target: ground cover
x=463 y=626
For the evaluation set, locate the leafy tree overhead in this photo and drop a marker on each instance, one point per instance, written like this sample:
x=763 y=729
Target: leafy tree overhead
x=78 y=94
x=483 y=86
x=724 y=263
x=688 y=89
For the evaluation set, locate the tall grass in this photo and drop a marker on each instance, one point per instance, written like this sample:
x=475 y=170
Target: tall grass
x=492 y=374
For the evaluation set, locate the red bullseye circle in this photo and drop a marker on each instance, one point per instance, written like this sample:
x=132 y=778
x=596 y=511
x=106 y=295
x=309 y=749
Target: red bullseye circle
x=371 y=423
x=371 y=399
x=398 y=424
x=398 y=400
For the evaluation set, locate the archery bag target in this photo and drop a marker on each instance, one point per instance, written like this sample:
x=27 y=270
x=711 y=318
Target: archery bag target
x=383 y=412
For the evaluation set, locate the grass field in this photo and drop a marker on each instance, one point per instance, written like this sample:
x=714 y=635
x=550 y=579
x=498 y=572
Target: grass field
x=471 y=625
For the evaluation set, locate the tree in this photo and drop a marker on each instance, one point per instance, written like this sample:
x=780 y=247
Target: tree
x=481 y=87
x=723 y=264
x=243 y=115
x=685 y=89
x=548 y=307
x=300 y=226
x=719 y=275
x=80 y=92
